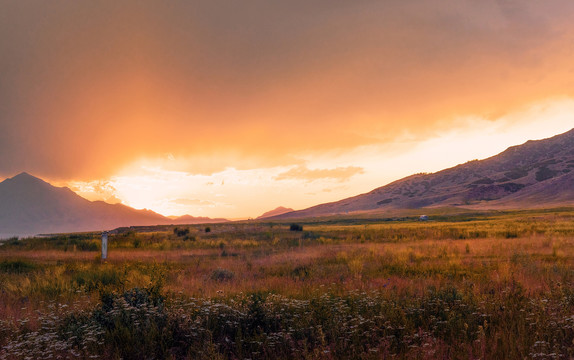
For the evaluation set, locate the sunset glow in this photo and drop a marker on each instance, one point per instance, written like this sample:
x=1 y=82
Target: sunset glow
x=321 y=176
x=221 y=109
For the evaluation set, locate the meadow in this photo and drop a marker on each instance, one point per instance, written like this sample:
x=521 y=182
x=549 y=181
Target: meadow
x=491 y=285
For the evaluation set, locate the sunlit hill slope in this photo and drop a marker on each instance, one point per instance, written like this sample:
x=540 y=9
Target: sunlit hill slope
x=534 y=174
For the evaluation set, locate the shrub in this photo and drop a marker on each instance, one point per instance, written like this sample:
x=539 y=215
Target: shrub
x=16 y=266
x=181 y=232
x=516 y=173
x=97 y=278
x=545 y=173
x=296 y=227
x=13 y=241
x=301 y=272
x=134 y=325
x=88 y=246
x=221 y=275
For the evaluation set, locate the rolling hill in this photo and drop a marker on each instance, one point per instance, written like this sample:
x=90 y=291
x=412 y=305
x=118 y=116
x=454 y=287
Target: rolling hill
x=535 y=174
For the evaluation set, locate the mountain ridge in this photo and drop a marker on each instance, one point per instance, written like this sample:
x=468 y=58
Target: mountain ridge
x=516 y=177
x=538 y=173
x=30 y=205
x=188 y=219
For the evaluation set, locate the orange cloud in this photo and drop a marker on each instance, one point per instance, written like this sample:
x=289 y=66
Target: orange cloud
x=303 y=173
x=193 y=202
x=95 y=190
x=90 y=88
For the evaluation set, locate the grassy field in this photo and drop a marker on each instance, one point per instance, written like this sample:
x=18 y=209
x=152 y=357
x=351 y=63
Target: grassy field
x=466 y=286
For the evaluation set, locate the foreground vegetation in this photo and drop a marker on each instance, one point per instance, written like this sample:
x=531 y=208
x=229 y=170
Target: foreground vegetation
x=482 y=286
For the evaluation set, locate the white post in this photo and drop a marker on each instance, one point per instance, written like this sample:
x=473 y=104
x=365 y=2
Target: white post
x=104 y=245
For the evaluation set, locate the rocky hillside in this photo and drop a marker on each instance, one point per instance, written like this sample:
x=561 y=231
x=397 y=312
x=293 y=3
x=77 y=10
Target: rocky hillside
x=534 y=174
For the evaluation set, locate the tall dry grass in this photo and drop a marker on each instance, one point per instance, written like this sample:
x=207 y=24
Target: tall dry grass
x=492 y=287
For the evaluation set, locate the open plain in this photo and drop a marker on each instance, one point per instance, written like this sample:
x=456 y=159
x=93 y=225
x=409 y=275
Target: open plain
x=481 y=285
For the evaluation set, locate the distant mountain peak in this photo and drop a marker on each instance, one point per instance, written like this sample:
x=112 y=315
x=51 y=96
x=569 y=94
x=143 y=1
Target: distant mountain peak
x=188 y=219
x=24 y=181
x=275 y=212
x=29 y=205
x=25 y=176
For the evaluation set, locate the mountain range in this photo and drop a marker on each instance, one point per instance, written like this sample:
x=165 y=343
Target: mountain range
x=535 y=174
x=29 y=205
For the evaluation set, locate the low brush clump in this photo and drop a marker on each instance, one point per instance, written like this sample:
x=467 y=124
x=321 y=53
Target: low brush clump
x=142 y=324
x=222 y=275
x=16 y=266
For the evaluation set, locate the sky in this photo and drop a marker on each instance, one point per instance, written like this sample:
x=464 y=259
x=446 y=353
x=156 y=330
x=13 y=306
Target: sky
x=232 y=108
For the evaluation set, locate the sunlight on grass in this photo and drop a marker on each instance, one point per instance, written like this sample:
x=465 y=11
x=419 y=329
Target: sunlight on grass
x=496 y=286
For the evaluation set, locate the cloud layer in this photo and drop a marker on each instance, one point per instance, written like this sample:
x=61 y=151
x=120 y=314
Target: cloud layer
x=89 y=88
x=304 y=173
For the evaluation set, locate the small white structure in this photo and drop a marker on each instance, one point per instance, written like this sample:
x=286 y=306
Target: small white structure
x=104 y=245
x=423 y=218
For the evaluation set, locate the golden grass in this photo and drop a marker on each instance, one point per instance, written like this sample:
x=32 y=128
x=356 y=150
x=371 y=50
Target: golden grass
x=397 y=260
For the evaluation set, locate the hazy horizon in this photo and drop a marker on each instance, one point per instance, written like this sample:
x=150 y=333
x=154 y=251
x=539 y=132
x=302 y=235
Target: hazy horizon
x=220 y=109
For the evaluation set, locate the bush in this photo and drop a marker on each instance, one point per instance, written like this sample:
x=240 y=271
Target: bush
x=16 y=266
x=134 y=325
x=221 y=275
x=545 y=173
x=98 y=278
x=181 y=232
x=13 y=241
x=88 y=246
x=296 y=227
